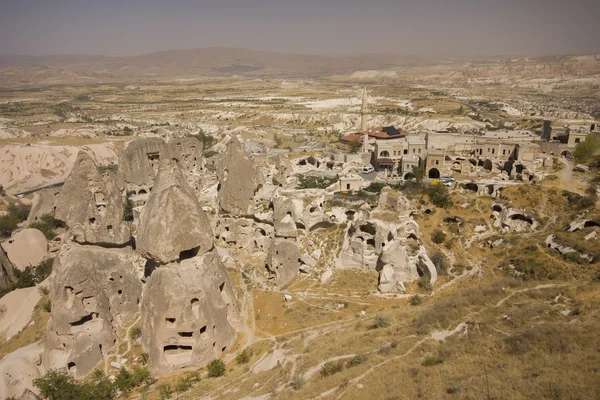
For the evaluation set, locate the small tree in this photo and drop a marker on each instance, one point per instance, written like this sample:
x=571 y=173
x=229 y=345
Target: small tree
x=438 y=236
x=355 y=146
x=58 y=384
x=128 y=210
x=216 y=368
x=419 y=172
x=587 y=148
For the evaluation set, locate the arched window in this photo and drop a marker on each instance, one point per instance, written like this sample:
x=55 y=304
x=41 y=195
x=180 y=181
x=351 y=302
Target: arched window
x=384 y=154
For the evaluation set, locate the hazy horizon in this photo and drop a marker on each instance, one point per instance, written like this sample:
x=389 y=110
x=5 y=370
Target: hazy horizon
x=335 y=27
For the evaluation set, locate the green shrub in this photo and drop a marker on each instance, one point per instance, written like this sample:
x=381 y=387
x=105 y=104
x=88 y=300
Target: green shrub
x=438 y=236
x=357 y=360
x=183 y=384
x=298 y=382
x=425 y=283
x=216 y=368
x=380 y=321
x=440 y=261
x=135 y=333
x=330 y=368
x=416 y=300
x=430 y=361
x=165 y=391
x=47 y=305
x=439 y=196
x=57 y=384
x=244 y=356
x=128 y=210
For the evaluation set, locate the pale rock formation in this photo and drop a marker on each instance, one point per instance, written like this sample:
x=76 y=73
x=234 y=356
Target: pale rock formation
x=397 y=265
x=6 y=270
x=18 y=370
x=239 y=180
x=139 y=162
x=283 y=261
x=95 y=292
x=286 y=212
x=188 y=151
x=172 y=225
x=91 y=205
x=19 y=305
x=244 y=233
x=43 y=203
x=284 y=170
x=514 y=220
x=26 y=248
x=188 y=313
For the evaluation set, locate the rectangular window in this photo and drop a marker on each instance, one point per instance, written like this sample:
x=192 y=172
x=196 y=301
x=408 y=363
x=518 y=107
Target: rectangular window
x=577 y=140
x=347 y=186
x=414 y=150
x=419 y=151
x=405 y=151
x=493 y=151
x=503 y=152
x=437 y=162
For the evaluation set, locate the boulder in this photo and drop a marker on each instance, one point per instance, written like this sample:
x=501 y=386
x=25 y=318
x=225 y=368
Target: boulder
x=283 y=261
x=239 y=180
x=172 y=225
x=95 y=291
x=18 y=371
x=26 y=248
x=91 y=204
x=188 y=313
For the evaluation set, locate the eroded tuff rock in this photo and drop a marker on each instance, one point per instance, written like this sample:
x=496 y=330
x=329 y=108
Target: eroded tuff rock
x=140 y=160
x=188 y=313
x=91 y=205
x=244 y=233
x=239 y=180
x=95 y=291
x=283 y=261
x=188 y=153
x=172 y=225
x=397 y=265
x=43 y=203
x=6 y=271
x=286 y=212
x=26 y=248
x=284 y=169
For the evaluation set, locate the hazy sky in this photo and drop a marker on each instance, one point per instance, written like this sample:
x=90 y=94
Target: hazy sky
x=429 y=27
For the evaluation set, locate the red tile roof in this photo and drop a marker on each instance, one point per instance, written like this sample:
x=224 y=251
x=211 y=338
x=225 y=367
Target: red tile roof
x=377 y=133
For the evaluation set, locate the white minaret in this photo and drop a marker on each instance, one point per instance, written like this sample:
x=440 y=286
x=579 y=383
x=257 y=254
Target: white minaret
x=363 y=121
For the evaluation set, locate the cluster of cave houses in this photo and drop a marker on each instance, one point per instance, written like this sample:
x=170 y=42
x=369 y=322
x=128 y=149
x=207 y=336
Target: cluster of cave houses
x=145 y=246
x=397 y=153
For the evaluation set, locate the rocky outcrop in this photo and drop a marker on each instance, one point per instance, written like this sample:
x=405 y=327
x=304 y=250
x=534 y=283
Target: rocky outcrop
x=188 y=313
x=7 y=276
x=188 y=152
x=43 y=203
x=514 y=220
x=283 y=262
x=140 y=160
x=172 y=225
x=95 y=291
x=26 y=248
x=286 y=212
x=284 y=169
x=397 y=265
x=244 y=233
x=91 y=205
x=239 y=180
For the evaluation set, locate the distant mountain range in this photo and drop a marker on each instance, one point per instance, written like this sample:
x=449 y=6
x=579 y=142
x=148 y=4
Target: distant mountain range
x=233 y=61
